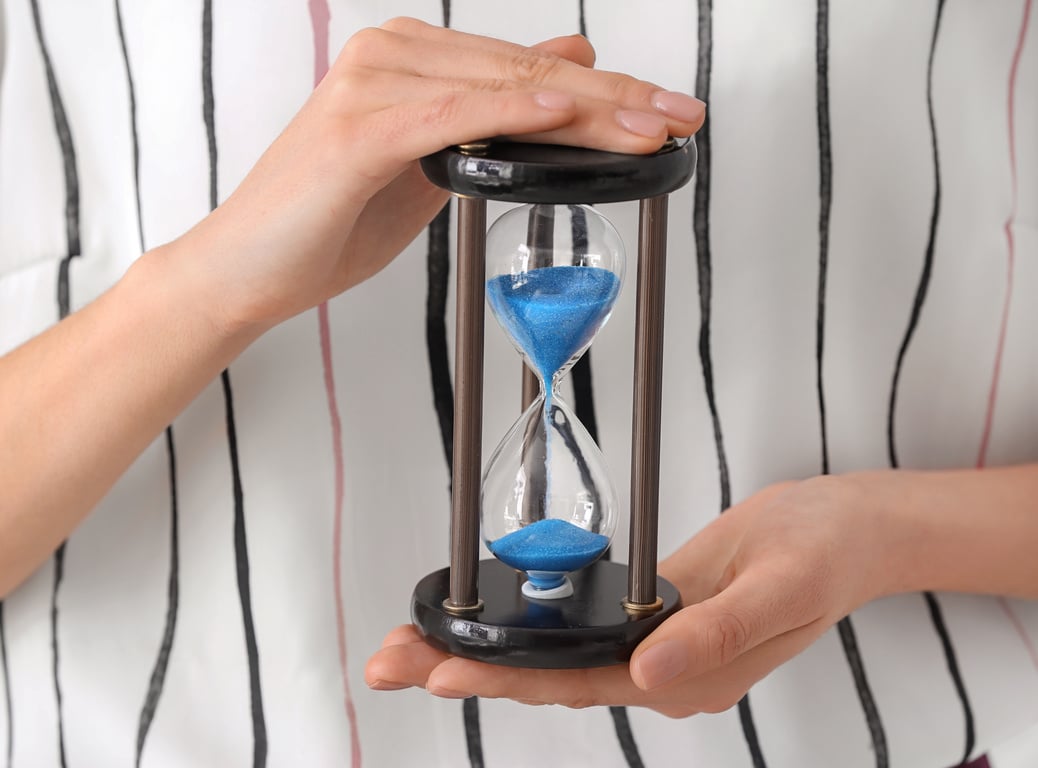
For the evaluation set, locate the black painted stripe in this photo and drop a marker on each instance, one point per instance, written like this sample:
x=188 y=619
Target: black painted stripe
x=749 y=732
x=438 y=273
x=158 y=673
x=849 y=641
x=68 y=153
x=132 y=95
x=952 y=661
x=825 y=193
x=625 y=736
x=241 y=550
x=241 y=558
x=701 y=231
x=924 y=278
x=6 y=672
x=71 y=175
x=473 y=731
x=59 y=573
x=933 y=604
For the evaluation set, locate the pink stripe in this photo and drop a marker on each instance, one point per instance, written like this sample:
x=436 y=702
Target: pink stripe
x=319 y=17
x=1011 y=245
x=1020 y=629
x=1010 y=263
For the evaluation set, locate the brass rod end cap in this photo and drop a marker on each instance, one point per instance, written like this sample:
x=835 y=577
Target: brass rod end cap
x=652 y=607
x=475 y=147
x=462 y=610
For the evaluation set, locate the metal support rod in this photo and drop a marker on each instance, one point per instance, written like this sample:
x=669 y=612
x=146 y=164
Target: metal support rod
x=468 y=404
x=648 y=394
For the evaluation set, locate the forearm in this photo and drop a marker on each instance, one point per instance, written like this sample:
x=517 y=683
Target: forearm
x=961 y=531
x=81 y=401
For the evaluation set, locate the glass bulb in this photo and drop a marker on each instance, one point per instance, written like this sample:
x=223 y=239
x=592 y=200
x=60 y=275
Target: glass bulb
x=548 y=504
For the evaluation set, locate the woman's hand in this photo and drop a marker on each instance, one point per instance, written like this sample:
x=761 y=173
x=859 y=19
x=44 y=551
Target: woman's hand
x=760 y=584
x=340 y=193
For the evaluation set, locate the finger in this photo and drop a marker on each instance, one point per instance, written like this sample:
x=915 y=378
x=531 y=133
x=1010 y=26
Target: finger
x=576 y=48
x=533 y=67
x=714 y=691
x=402 y=666
x=389 y=139
x=576 y=688
x=721 y=689
x=759 y=604
x=594 y=124
x=402 y=635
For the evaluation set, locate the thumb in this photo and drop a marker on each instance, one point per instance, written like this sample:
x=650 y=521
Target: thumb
x=755 y=607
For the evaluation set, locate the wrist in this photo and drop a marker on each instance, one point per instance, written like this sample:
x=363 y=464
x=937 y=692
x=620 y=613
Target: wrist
x=180 y=277
x=867 y=524
x=890 y=520
x=965 y=530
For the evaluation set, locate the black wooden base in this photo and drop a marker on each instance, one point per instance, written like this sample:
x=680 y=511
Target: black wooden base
x=589 y=629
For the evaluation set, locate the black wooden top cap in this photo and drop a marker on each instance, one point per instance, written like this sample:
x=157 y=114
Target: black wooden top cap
x=547 y=173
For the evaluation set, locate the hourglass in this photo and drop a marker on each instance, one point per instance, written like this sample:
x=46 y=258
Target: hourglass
x=545 y=506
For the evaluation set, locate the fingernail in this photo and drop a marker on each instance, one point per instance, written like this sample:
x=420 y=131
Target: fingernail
x=662 y=663
x=640 y=123
x=385 y=685
x=554 y=100
x=447 y=693
x=680 y=106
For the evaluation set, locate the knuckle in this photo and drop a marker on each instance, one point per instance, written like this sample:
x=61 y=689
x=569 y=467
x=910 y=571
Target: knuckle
x=727 y=637
x=721 y=703
x=626 y=88
x=532 y=66
x=443 y=109
x=583 y=694
x=485 y=85
x=494 y=84
x=364 y=46
x=404 y=25
x=346 y=85
x=677 y=711
x=580 y=701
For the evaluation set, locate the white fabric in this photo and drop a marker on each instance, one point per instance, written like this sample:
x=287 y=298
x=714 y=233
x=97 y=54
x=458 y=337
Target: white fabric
x=764 y=235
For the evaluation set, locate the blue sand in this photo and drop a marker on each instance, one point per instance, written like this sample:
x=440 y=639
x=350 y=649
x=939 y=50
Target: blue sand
x=549 y=545
x=553 y=312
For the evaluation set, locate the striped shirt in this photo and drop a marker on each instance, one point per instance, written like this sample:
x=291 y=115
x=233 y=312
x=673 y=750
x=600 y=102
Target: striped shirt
x=848 y=288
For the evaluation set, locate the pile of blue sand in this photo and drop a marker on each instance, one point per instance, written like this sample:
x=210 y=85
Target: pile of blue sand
x=549 y=545
x=552 y=312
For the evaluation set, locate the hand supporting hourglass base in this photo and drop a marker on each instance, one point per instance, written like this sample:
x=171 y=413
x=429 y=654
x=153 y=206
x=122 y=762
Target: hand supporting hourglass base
x=590 y=629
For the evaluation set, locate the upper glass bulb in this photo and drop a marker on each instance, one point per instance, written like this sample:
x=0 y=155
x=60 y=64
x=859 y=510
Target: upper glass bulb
x=553 y=275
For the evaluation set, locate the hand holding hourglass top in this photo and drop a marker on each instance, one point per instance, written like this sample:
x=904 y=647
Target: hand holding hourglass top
x=330 y=203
